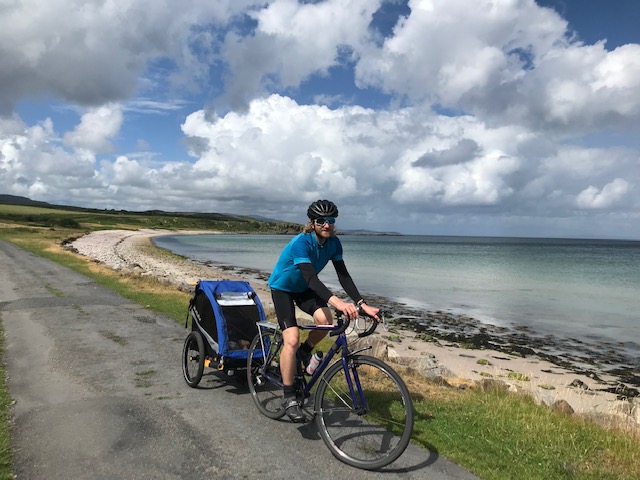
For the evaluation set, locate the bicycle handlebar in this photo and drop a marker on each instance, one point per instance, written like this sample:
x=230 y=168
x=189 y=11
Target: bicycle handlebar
x=343 y=327
x=373 y=326
x=346 y=322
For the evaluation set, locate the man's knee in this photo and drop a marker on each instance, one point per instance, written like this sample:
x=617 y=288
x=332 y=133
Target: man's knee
x=323 y=316
x=291 y=337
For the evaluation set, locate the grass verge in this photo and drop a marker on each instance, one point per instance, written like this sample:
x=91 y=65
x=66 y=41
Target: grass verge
x=5 y=401
x=495 y=434
x=501 y=435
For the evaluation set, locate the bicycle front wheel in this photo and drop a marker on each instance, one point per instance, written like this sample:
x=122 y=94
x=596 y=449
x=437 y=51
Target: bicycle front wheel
x=263 y=373
x=373 y=429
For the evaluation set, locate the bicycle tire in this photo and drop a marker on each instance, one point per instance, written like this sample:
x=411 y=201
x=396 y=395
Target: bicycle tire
x=266 y=395
x=193 y=359
x=376 y=437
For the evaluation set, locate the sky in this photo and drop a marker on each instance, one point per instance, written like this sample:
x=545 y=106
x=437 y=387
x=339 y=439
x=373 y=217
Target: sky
x=435 y=117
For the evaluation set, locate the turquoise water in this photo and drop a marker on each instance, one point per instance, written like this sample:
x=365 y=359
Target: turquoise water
x=576 y=288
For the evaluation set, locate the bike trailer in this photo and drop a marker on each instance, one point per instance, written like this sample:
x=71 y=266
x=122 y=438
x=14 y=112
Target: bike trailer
x=223 y=315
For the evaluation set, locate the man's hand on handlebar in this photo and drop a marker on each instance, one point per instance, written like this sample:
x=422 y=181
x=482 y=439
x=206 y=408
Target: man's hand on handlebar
x=371 y=311
x=351 y=310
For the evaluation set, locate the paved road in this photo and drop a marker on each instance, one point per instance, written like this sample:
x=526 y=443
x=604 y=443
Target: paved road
x=99 y=394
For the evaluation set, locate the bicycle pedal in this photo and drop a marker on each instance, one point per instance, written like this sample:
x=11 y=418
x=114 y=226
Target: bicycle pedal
x=293 y=411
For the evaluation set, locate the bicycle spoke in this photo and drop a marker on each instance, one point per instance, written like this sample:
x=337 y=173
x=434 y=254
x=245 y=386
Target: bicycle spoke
x=368 y=437
x=193 y=359
x=264 y=382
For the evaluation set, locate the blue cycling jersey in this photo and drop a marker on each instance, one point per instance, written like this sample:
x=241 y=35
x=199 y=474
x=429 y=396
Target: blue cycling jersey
x=304 y=248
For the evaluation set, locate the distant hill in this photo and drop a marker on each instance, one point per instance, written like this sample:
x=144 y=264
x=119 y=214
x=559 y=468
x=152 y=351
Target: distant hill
x=282 y=227
x=16 y=200
x=146 y=219
x=259 y=218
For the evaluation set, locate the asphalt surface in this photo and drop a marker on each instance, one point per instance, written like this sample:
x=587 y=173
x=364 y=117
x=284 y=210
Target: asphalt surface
x=99 y=394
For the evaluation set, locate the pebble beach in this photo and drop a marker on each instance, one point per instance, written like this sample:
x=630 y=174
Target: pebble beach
x=548 y=379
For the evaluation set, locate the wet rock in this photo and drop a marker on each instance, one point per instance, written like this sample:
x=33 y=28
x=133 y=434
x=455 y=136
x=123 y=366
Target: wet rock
x=579 y=384
x=622 y=391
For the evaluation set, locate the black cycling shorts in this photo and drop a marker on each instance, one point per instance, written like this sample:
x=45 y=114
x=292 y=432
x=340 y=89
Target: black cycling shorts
x=283 y=302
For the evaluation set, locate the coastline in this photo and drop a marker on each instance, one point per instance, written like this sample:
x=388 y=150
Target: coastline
x=454 y=349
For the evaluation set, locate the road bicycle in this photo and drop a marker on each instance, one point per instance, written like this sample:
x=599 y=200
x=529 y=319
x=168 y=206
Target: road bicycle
x=362 y=407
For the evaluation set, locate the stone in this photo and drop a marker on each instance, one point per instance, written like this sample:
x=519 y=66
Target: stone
x=579 y=384
x=489 y=384
x=392 y=354
x=441 y=382
x=562 y=406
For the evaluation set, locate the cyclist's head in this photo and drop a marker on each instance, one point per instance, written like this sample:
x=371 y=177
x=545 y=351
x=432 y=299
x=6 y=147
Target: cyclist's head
x=321 y=213
x=322 y=208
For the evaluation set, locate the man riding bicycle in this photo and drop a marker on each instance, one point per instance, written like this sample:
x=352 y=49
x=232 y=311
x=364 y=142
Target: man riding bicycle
x=295 y=281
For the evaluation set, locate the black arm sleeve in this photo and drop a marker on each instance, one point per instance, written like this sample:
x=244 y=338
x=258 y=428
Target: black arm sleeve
x=311 y=277
x=346 y=281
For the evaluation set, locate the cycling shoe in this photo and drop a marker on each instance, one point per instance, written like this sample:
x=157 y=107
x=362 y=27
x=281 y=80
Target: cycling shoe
x=293 y=411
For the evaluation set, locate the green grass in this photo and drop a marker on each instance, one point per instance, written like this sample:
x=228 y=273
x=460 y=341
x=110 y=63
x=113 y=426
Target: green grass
x=496 y=435
x=5 y=402
x=499 y=435
x=24 y=210
x=518 y=376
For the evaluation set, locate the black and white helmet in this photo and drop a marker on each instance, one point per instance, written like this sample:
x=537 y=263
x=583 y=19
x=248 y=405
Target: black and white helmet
x=322 y=208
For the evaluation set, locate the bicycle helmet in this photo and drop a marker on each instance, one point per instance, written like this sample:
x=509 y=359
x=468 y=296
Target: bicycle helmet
x=322 y=208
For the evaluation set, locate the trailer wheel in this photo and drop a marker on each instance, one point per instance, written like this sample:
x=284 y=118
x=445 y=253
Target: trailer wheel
x=193 y=359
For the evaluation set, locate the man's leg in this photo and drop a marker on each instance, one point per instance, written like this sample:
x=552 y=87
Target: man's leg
x=283 y=304
x=322 y=316
x=291 y=337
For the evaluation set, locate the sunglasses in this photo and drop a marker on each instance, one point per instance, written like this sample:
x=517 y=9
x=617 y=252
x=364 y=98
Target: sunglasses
x=321 y=221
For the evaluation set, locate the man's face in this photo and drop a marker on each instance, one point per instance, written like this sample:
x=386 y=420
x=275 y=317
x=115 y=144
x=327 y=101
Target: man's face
x=324 y=226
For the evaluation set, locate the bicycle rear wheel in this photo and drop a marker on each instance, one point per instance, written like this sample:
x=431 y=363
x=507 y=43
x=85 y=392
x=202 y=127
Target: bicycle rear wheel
x=372 y=435
x=263 y=371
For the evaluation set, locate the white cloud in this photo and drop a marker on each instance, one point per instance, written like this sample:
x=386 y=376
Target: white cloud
x=447 y=50
x=32 y=162
x=608 y=196
x=585 y=87
x=130 y=172
x=278 y=139
x=92 y=53
x=292 y=41
x=507 y=61
x=95 y=129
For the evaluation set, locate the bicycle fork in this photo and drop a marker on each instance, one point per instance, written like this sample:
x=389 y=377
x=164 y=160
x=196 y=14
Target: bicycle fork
x=353 y=383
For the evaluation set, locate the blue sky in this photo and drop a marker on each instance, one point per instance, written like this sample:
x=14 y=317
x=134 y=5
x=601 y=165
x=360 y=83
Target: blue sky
x=504 y=117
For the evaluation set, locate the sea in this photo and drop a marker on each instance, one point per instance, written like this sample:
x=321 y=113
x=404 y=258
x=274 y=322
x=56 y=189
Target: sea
x=579 y=289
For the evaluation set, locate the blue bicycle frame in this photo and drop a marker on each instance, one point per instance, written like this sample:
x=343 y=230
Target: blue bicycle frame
x=340 y=344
